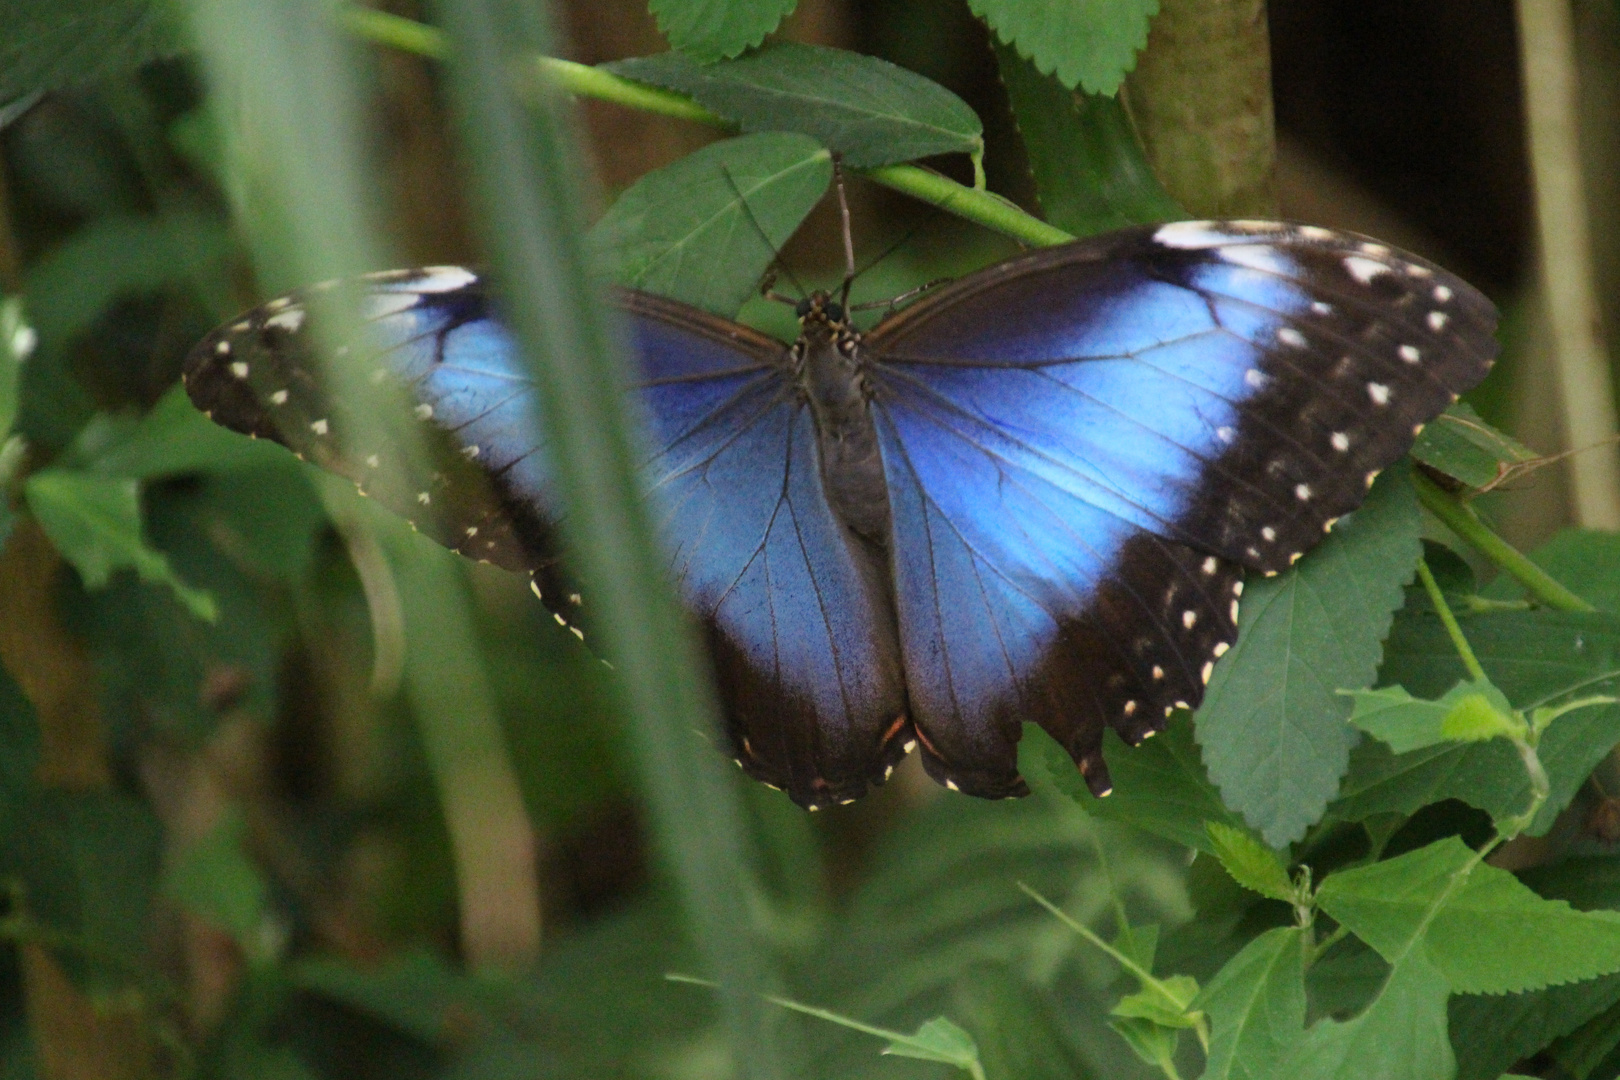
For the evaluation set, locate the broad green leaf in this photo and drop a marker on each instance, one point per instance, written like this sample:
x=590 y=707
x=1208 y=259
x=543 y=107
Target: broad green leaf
x=705 y=228
x=1400 y=1036
x=1159 y=786
x=417 y=993
x=1462 y=445
x=1585 y=1049
x=710 y=30
x=1492 y=1031
x=1251 y=863
x=95 y=522
x=1469 y=712
x=1090 y=172
x=1586 y=561
x=1272 y=724
x=173 y=437
x=1256 y=1006
x=215 y=879
x=53 y=44
x=1483 y=929
x=868 y=110
x=1535 y=658
x=89 y=863
x=1090 y=44
x=937 y=1040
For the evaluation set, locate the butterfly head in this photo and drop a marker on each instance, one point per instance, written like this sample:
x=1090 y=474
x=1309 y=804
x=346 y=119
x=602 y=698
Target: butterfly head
x=820 y=309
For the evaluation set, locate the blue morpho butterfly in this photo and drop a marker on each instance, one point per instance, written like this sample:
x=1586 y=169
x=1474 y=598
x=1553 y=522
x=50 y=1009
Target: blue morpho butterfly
x=1030 y=495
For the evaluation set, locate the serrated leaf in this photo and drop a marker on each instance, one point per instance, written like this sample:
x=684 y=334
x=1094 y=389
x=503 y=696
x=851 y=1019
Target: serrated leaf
x=1469 y=712
x=1090 y=44
x=704 y=229
x=1534 y=658
x=1090 y=172
x=937 y=1040
x=1400 y=1036
x=95 y=522
x=1462 y=445
x=869 y=110
x=1256 y=1006
x=52 y=44
x=1482 y=929
x=710 y=30
x=1159 y=786
x=1272 y=725
x=1251 y=864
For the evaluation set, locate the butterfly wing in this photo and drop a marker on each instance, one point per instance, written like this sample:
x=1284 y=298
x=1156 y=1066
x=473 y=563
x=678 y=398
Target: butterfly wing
x=794 y=607
x=1086 y=445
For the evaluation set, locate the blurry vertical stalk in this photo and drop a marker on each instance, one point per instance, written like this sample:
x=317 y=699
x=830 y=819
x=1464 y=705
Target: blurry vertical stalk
x=1564 y=245
x=525 y=167
x=1200 y=98
x=285 y=91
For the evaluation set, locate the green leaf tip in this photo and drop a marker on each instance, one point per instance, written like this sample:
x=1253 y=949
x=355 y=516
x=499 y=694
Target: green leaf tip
x=1251 y=863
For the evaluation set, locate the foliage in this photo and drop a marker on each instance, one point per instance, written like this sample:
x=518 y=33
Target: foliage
x=298 y=712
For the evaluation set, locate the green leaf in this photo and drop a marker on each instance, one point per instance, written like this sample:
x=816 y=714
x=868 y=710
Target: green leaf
x=1018 y=1025
x=95 y=522
x=53 y=44
x=1462 y=445
x=1586 y=561
x=173 y=437
x=1159 y=786
x=1585 y=1049
x=1272 y=723
x=704 y=229
x=1535 y=658
x=417 y=993
x=937 y=1040
x=1153 y=1043
x=1400 y=1036
x=1482 y=929
x=1166 y=1010
x=215 y=879
x=1251 y=864
x=1256 y=1005
x=1090 y=172
x=1469 y=712
x=1492 y=1031
x=711 y=30
x=89 y=863
x=1086 y=43
x=869 y=110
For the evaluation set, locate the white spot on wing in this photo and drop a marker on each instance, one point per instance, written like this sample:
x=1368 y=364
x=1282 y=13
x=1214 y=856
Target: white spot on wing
x=1315 y=232
x=319 y=427
x=223 y=348
x=1438 y=320
x=1209 y=669
x=1190 y=234
x=1291 y=337
x=424 y=412
x=1130 y=708
x=1378 y=392
x=1340 y=441
x=437 y=279
x=424 y=498
x=1364 y=270
x=1375 y=249
x=1410 y=354
x=1189 y=618
x=279 y=397
x=1302 y=492
x=1158 y=672
x=1220 y=649
x=1257 y=257
x=1442 y=293
x=1225 y=434
x=1321 y=307
x=1210 y=565
x=240 y=369
x=1255 y=378
x=289 y=320
x=373 y=461
x=381 y=305
x=1268 y=534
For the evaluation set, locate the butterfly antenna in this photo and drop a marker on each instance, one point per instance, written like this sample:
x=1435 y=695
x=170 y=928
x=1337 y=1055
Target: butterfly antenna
x=768 y=282
x=849 y=239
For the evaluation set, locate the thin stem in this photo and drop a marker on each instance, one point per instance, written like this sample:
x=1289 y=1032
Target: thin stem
x=970 y=203
x=1144 y=976
x=1436 y=597
x=1320 y=949
x=1461 y=519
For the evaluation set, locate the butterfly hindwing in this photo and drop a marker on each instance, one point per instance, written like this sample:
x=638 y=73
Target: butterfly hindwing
x=1085 y=446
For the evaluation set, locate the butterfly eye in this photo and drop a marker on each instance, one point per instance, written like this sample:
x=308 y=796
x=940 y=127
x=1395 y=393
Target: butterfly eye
x=835 y=313
x=802 y=308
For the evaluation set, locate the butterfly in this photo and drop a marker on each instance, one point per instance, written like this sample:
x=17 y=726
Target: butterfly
x=1031 y=495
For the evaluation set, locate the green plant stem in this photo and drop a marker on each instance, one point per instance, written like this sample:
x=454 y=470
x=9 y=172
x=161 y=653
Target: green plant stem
x=972 y=204
x=1320 y=949
x=1436 y=597
x=1461 y=519
x=1145 y=977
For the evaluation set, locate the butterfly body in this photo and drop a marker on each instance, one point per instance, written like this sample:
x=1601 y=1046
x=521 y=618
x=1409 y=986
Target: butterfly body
x=1030 y=496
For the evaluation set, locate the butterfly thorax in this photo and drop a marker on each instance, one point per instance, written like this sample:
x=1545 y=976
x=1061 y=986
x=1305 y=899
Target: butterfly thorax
x=832 y=374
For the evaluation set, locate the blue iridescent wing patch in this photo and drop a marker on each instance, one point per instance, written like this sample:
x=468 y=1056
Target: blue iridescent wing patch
x=1086 y=445
x=1082 y=451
